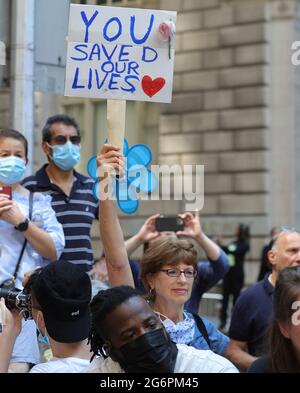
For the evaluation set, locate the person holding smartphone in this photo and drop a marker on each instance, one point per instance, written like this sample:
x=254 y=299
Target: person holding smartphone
x=209 y=271
x=169 y=272
x=30 y=234
x=173 y=261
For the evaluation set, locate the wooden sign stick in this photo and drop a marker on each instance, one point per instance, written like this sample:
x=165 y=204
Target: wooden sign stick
x=116 y=114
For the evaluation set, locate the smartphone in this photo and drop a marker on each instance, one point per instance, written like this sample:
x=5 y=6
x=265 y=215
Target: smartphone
x=169 y=224
x=6 y=190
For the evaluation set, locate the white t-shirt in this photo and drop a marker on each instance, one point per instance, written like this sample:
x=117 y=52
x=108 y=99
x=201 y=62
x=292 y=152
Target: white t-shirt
x=189 y=360
x=63 y=365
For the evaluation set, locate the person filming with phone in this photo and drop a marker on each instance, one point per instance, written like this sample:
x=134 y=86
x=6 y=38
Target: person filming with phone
x=187 y=225
x=168 y=271
x=209 y=272
x=30 y=235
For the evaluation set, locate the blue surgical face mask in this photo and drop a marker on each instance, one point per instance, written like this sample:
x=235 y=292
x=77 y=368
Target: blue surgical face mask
x=12 y=169
x=65 y=156
x=42 y=338
x=181 y=332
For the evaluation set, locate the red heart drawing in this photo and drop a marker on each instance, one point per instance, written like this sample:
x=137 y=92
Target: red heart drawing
x=152 y=86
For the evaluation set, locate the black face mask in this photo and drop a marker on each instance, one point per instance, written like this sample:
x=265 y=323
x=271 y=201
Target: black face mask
x=153 y=352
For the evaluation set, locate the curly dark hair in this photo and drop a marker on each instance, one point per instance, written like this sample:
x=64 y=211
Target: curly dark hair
x=101 y=306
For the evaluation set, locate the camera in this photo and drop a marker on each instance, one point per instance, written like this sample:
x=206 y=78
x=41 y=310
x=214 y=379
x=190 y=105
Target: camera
x=14 y=298
x=20 y=299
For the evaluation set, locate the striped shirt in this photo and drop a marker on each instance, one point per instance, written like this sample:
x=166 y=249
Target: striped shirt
x=75 y=212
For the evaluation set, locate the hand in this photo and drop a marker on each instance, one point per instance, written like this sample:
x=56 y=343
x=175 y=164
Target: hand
x=192 y=226
x=11 y=320
x=10 y=211
x=148 y=231
x=110 y=160
x=99 y=271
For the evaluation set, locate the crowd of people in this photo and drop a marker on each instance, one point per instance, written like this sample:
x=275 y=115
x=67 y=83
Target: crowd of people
x=145 y=317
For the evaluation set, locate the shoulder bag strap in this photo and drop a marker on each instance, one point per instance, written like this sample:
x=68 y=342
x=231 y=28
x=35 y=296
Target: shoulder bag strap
x=25 y=241
x=202 y=328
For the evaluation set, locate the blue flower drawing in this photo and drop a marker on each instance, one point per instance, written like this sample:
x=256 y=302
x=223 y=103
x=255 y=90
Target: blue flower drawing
x=137 y=179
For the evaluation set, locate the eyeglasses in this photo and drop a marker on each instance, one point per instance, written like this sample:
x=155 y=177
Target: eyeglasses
x=188 y=273
x=61 y=139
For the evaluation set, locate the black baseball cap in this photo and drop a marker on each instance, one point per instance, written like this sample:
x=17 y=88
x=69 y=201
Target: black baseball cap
x=63 y=291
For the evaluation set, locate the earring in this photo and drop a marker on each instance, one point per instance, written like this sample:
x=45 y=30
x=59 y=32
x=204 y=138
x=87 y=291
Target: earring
x=151 y=294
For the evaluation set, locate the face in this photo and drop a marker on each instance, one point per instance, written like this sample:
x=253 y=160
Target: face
x=129 y=321
x=286 y=251
x=60 y=133
x=174 y=291
x=12 y=147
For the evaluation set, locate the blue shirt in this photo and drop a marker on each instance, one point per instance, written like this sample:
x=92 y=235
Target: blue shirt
x=187 y=332
x=218 y=340
x=75 y=212
x=251 y=316
x=11 y=240
x=209 y=273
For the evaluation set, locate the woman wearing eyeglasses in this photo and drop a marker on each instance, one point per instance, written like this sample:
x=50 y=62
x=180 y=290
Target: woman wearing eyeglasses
x=168 y=271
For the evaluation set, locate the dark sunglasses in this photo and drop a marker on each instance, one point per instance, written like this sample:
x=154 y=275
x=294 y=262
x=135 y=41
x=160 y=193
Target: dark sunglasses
x=61 y=139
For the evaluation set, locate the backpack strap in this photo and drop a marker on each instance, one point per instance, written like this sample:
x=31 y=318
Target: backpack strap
x=202 y=328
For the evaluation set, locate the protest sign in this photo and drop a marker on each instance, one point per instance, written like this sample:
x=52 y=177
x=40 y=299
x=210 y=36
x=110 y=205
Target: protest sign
x=120 y=53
